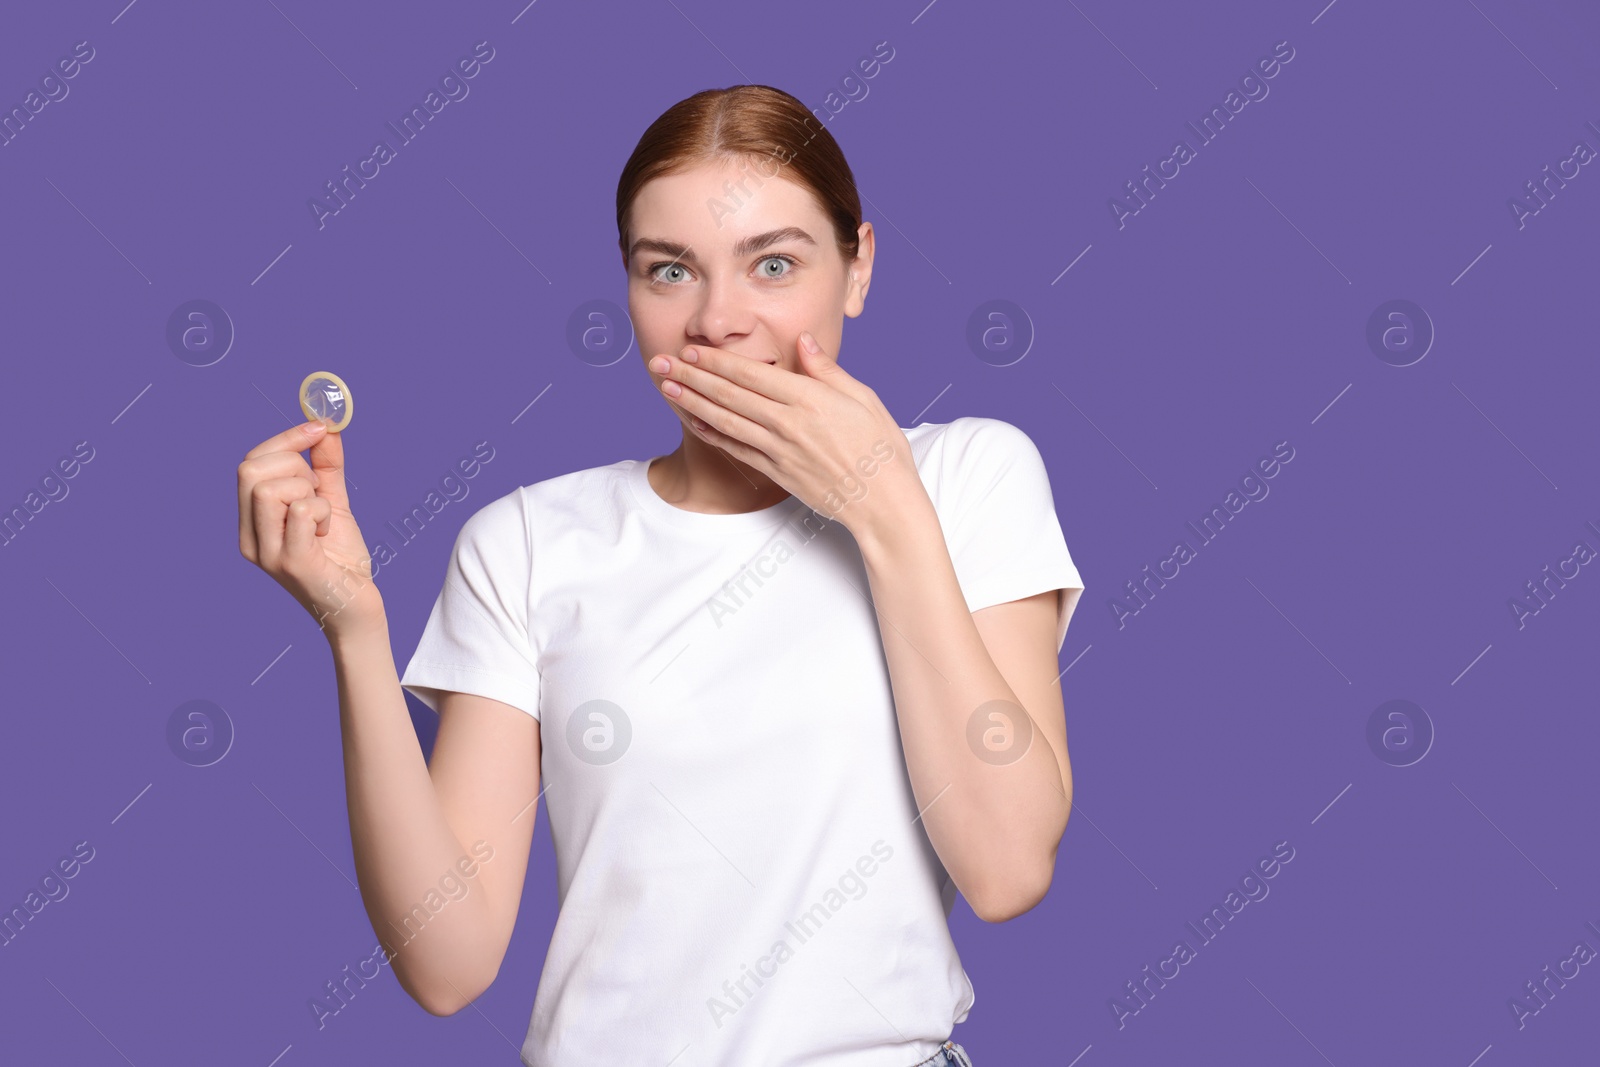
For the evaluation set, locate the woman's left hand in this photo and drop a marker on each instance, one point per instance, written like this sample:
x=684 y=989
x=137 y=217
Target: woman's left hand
x=821 y=434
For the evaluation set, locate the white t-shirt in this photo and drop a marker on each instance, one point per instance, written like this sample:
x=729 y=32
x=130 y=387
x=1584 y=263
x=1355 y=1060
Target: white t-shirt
x=741 y=872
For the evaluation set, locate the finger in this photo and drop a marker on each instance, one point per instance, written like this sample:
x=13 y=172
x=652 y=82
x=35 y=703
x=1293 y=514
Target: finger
x=259 y=469
x=735 y=448
x=823 y=366
x=305 y=517
x=278 y=465
x=290 y=441
x=748 y=386
x=739 y=412
x=296 y=438
x=327 y=463
x=728 y=424
x=269 y=505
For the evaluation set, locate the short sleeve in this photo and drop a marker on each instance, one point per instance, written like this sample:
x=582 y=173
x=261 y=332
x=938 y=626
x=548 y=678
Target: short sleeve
x=477 y=636
x=1000 y=519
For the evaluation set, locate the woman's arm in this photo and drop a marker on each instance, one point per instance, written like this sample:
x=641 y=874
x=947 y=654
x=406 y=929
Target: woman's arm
x=418 y=829
x=996 y=822
x=420 y=834
x=994 y=817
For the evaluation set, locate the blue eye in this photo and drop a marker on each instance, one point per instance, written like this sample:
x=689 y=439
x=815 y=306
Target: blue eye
x=780 y=259
x=657 y=279
x=657 y=266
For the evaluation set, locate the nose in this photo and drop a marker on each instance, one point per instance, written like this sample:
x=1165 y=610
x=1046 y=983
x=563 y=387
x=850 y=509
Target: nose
x=721 y=317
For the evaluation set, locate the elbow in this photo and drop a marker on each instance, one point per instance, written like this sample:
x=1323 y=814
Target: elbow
x=452 y=977
x=442 y=1007
x=1025 y=884
x=1016 y=896
x=449 y=999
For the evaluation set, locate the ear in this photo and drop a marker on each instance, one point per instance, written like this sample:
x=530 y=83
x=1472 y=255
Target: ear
x=859 y=272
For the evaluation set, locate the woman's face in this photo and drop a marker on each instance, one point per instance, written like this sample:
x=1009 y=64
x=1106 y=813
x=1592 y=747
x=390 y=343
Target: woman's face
x=728 y=256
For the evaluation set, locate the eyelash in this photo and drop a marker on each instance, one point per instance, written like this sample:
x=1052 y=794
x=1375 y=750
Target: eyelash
x=651 y=271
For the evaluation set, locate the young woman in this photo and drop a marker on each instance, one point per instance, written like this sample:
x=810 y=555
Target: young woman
x=787 y=688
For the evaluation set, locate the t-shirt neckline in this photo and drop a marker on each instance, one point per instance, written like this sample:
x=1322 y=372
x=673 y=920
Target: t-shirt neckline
x=637 y=477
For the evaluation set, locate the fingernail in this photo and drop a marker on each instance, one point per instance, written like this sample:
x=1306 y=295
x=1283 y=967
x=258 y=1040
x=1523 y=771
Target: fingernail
x=691 y=355
x=314 y=427
x=810 y=342
x=660 y=364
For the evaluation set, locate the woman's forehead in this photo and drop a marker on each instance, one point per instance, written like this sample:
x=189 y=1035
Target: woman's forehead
x=723 y=200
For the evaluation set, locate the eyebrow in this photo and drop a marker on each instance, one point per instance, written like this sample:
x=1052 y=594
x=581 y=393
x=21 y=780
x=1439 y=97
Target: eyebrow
x=745 y=247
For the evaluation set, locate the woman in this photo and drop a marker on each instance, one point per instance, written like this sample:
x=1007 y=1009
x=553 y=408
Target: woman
x=773 y=682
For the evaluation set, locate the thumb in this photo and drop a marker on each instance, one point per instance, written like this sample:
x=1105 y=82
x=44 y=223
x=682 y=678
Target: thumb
x=823 y=367
x=327 y=460
x=816 y=362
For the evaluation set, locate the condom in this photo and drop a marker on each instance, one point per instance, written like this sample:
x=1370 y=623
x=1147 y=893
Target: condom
x=324 y=396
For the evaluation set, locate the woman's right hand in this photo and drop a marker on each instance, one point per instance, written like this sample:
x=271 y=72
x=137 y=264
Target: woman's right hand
x=295 y=524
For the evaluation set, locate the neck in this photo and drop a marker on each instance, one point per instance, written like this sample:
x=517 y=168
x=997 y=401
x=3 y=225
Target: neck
x=701 y=477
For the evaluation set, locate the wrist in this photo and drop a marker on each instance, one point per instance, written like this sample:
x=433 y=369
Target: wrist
x=359 y=620
x=898 y=523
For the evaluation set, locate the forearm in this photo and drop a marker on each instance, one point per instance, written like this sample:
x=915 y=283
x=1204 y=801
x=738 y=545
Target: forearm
x=995 y=823
x=402 y=841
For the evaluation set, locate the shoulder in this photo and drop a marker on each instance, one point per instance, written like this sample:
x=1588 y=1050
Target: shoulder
x=496 y=528
x=972 y=443
x=517 y=519
x=982 y=432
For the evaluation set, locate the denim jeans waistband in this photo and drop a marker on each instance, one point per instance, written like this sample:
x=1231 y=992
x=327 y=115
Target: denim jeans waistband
x=950 y=1054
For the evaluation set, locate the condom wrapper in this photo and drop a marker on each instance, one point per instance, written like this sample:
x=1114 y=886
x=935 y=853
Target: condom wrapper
x=325 y=397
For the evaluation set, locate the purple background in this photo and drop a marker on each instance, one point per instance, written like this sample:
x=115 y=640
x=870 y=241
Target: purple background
x=1228 y=315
